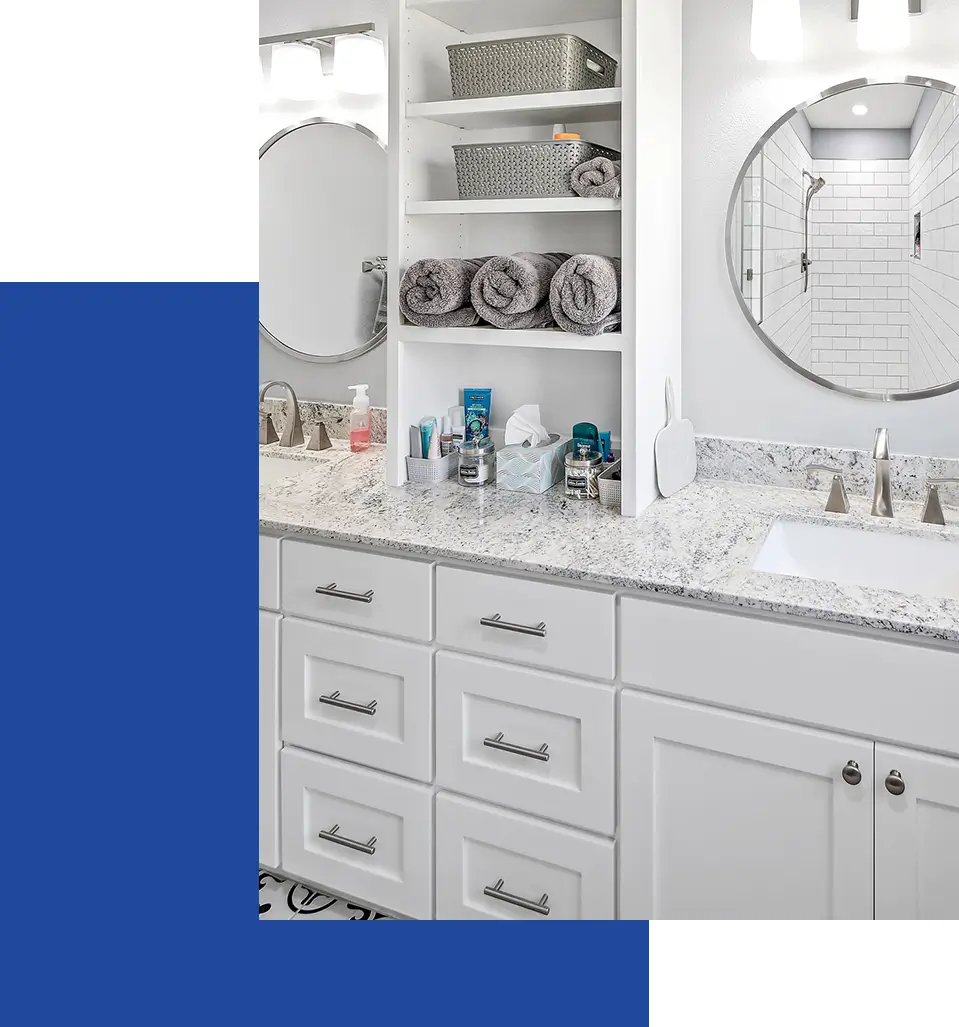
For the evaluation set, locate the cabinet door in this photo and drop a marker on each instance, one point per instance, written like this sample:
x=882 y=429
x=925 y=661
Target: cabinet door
x=917 y=836
x=269 y=741
x=726 y=816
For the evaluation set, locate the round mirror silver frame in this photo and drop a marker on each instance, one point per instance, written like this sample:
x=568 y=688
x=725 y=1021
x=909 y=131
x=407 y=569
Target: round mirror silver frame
x=843 y=87
x=376 y=339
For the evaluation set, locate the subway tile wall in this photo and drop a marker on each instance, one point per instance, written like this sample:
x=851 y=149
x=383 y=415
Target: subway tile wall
x=786 y=308
x=934 y=277
x=861 y=228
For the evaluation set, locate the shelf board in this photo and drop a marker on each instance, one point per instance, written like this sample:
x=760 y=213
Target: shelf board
x=522 y=205
x=496 y=15
x=532 y=338
x=578 y=105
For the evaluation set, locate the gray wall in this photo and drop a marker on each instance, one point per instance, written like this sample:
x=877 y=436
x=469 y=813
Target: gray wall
x=860 y=143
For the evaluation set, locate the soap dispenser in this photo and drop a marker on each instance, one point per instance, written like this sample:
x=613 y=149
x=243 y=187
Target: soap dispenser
x=360 y=419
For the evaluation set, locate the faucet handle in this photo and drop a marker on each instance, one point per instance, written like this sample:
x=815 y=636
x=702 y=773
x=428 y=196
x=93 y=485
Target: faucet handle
x=880 y=445
x=838 y=501
x=932 y=510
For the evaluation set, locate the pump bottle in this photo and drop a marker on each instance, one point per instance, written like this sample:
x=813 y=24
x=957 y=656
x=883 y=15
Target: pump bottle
x=360 y=419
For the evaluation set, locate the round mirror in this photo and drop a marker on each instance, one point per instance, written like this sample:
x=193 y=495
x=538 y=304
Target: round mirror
x=842 y=238
x=323 y=226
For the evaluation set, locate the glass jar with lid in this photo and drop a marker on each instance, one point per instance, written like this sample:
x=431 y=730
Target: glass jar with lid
x=477 y=462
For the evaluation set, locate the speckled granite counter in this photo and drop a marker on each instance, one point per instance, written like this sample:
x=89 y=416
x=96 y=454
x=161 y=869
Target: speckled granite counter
x=699 y=544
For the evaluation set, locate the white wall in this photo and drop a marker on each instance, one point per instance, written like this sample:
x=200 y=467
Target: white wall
x=732 y=385
x=312 y=380
x=934 y=278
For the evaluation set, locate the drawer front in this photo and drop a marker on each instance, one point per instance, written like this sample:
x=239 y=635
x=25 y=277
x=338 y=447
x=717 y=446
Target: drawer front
x=269 y=573
x=269 y=743
x=886 y=690
x=534 y=870
x=365 y=834
x=527 y=739
x=363 y=698
x=373 y=592
x=568 y=629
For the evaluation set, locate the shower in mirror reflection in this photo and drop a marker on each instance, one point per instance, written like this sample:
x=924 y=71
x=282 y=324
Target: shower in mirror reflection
x=821 y=231
x=815 y=184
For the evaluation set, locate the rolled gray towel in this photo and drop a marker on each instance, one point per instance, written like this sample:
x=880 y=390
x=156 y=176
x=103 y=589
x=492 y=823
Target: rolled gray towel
x=597 y=177
x=513 y=291
x=585 y=294
x=435 y=293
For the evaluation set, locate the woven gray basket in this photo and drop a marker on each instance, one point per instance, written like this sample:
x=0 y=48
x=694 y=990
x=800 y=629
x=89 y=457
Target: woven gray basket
x=499 y=170
x=610 y=492
x=430 y=472
x=531 y=64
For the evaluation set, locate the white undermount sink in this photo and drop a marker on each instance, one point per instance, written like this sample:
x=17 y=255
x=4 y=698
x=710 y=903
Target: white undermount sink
x=849 y=555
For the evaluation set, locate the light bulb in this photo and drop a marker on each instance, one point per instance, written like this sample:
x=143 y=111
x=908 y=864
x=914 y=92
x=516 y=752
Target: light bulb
x=883 y=25
x=860 y=110
x=776 y=30
x=359 y=65
x=296 y=71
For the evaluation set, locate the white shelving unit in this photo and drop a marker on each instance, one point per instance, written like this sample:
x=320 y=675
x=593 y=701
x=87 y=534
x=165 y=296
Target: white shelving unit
x=523 y=205
x=581 y=105
x=615 y=380
x=534 y=338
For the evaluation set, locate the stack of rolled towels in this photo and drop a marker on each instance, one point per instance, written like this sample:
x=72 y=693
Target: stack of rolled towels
x=578 y=293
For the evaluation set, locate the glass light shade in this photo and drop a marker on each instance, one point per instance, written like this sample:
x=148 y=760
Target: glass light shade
x=359 y=65
x=776 y=30
x=883 y=25
x=296 y=71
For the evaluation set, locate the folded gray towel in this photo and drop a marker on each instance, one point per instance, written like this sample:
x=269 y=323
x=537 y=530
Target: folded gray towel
x=585 y=294
x=435 y=293
x=597 y=177
x=513 y=291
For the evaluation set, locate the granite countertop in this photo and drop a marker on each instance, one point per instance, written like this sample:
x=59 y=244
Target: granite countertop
x=699 y=544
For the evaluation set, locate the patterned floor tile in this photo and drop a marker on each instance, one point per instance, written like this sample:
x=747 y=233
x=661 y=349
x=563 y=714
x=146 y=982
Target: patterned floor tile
x=281 y=899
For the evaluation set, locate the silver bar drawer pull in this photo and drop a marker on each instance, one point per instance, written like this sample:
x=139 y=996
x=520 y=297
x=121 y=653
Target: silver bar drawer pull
x=496 y=742
x=344 y=704
x=495 y=891
x=539 y=630
x=332 y=836
x=332 y=590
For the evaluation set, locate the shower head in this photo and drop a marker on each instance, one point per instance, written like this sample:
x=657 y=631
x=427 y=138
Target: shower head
x=815 y=184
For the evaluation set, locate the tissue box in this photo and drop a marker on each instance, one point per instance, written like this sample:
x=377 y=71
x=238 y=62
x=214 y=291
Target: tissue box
x=532 y=468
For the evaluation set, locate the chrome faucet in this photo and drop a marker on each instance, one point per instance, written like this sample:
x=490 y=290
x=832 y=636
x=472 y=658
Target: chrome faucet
x=882 y=493
x=292 y=429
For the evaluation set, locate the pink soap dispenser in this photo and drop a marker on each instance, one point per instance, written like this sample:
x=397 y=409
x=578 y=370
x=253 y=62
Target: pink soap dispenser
x=360 y=419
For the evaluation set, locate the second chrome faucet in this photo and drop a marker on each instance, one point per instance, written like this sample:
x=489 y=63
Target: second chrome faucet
x=882 y=491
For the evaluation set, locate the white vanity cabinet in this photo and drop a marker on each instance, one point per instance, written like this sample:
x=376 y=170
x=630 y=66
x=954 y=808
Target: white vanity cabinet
x=715 y=764
x=269 y=747
x=726 y=816
x=917 y=835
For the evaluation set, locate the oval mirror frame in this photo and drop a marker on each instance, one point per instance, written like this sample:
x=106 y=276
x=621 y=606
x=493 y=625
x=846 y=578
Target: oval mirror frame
x=376 y=339
x=843 y=87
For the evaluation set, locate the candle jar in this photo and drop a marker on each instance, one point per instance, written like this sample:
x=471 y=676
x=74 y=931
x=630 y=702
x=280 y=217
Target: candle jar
x=477 y=462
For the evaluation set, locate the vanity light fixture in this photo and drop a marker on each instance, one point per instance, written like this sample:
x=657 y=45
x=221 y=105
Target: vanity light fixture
x=882 y=26
x=776 y=33
x=860 y=110
x=359 y=65
x=296 y=71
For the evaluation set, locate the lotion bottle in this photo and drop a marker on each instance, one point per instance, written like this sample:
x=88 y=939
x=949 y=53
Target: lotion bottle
x=360 y=419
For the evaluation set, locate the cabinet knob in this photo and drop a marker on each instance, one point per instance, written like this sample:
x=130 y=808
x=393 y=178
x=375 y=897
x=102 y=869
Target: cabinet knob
x=851 y=774
x=894 y=783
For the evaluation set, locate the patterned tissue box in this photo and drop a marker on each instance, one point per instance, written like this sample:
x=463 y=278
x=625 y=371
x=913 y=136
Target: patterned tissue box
x=532 y=468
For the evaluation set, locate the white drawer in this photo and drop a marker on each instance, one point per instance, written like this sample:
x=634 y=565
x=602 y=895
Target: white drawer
x=885 y=690
x=387 y=823
x=391 y=595
x=269 y=573
x=573 y=628
x=269 y=742
x=483 y=706
x=553 y=868
x=361 y=697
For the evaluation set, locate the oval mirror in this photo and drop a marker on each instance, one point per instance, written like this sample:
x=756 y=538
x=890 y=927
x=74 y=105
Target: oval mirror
x=323 y=227
x=842 y=238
